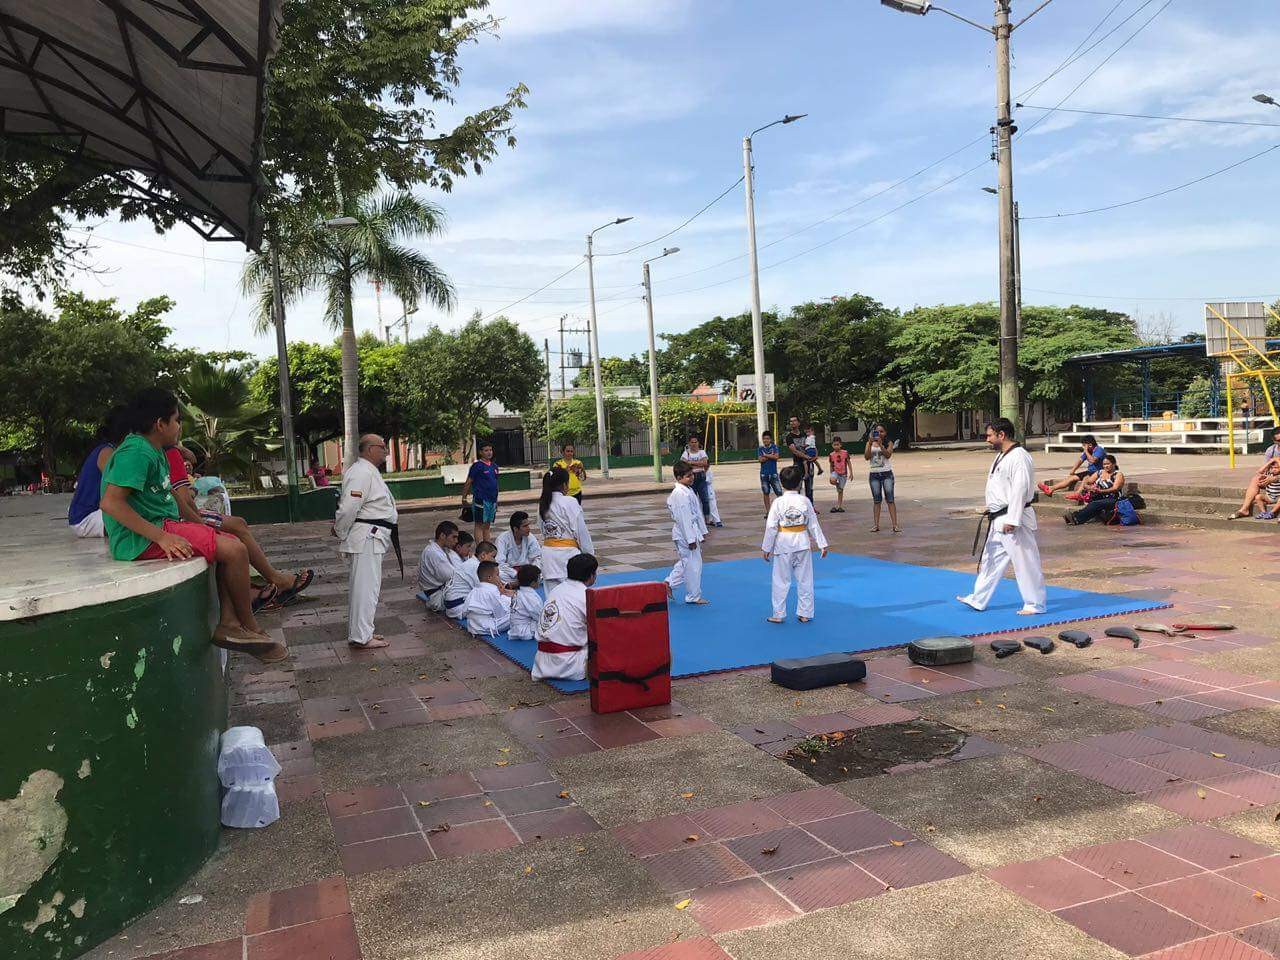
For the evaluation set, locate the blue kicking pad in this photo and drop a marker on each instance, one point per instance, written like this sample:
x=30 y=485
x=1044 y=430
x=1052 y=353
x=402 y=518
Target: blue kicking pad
x=862 y=604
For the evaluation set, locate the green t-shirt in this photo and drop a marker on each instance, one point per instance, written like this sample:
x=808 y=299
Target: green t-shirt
x=144 y=471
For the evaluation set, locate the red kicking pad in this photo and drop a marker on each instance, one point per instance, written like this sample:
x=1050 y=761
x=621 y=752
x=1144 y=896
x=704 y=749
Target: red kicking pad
x=628 y=647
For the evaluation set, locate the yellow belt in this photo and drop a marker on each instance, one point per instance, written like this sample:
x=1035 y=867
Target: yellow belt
x=799 y=529
x=559 y=542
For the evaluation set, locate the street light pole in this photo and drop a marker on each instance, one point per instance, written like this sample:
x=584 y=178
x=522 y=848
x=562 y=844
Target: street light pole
x=757 y=323
x=653 y=368
x=1004 y=131
x=286 y=393
x=546 y=354
x=602 y=434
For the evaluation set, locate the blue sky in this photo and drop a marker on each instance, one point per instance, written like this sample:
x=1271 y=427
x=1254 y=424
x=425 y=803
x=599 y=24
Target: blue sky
x=638 y=107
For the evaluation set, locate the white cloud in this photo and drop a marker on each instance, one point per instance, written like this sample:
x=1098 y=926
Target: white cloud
x=535 y=19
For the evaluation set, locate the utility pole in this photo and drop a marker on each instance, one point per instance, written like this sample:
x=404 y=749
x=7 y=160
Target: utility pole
x=1017 y=265
x=653 y=368
x=1010 y=258
x=562 y=320
x=546 y=354
x=602 y=428
x=1009 y=405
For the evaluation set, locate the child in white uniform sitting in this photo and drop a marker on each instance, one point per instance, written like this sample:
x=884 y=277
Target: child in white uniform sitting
x=464 y=576
x=562 y=631
x=786 y=543
x=489 y=602
x=437 y=565
x=526 y=605
x=517 y=547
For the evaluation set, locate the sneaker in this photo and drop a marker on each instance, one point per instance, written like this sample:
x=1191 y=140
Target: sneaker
x=1044 y=488
x=834 y=510
x=1269 y=515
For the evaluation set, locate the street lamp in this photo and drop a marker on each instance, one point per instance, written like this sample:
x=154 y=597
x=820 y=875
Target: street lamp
x=757 y=326
x=601 y=434
x=1004 y=130
x=1267 y=99
x=653 y=367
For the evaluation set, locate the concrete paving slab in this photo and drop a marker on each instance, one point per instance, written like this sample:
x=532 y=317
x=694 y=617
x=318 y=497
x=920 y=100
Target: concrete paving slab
x=584 y=898
x=1258 y=824
x=277 y=721
x=1260 y=662
x=1261 y=725
x=997 y=810
x=409 y=754
x=1031 y=714
x=646 y=780
x=967 y=918
x=351 y=678
x=734 y=700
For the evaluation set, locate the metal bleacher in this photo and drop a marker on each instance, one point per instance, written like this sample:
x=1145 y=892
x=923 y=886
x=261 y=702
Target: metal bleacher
x=1168 y=435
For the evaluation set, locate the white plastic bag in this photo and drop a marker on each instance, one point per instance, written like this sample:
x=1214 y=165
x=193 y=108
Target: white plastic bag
x=244 y=759
x=255 y=806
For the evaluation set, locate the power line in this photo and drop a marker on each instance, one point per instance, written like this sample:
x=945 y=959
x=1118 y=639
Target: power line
x=1098 y=296
x=1072 y=58
x=1089 y=76
x=1161 y=193
x=539 y=290
x=1148 y=116
x=680 y=227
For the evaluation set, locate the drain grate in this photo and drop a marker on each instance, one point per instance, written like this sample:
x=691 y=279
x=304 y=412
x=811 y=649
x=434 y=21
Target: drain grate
x=872 y=751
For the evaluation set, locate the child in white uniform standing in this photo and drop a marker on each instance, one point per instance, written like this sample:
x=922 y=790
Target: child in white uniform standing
x=688 y=529
x=791 y=522
x=562 y=631
x=564 y=528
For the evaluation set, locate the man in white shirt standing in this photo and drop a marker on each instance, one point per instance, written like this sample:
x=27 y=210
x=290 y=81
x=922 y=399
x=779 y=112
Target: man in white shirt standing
x=1011 y=525
x=366 y=525
x=688 y=530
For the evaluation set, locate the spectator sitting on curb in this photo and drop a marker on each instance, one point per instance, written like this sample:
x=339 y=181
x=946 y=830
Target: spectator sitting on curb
x=1263 y=491
x=1090 y=462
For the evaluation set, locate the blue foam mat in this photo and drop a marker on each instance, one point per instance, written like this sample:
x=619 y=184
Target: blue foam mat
x=861 y=604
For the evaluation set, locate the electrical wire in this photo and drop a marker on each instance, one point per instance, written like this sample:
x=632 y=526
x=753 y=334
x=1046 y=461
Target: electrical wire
x=1098 y=296
x=664 y=236
x=1153 y=196
x=539 y=290
x=1072 y=56
x=1148 y=116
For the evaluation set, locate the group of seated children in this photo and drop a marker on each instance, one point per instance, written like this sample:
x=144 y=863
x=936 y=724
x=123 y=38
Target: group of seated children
x=1263 y=494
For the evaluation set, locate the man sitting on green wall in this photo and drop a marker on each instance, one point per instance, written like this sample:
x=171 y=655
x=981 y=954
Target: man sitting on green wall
x=142 y=522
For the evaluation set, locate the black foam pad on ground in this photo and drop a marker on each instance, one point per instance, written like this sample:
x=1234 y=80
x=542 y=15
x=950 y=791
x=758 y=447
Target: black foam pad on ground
x=824 y=670
x=1124 y=633
x=1043 y=644
x=1076 y=638
x=1005 y=648
x=940 y=651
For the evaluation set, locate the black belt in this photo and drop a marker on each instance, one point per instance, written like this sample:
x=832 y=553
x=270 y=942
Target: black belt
x=395 y=538
x=987 y=517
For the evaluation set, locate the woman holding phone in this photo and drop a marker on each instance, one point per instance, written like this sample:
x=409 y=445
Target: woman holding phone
x=878 y=451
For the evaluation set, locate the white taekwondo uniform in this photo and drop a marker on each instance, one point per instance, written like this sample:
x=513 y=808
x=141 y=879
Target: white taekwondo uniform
x=562 y=634
x=364 y=497
x=526 y=611
x=687 y=526
x=512 y=554
x=713 y=510
x=1010 y=488
x=465 y=579
x=488 y=611
x=564 y=536
x=436 y=568
x=791 y=522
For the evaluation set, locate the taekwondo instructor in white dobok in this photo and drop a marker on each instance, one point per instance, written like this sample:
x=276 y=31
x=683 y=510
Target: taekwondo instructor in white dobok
x=366 y=525
x=1011 y=525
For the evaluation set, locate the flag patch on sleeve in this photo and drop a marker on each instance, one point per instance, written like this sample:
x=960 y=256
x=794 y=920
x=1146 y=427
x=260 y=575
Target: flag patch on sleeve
x=356 y=493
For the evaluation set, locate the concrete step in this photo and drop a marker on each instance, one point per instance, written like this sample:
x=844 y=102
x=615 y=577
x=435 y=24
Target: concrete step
x=1151 y=489
x=1157 y=517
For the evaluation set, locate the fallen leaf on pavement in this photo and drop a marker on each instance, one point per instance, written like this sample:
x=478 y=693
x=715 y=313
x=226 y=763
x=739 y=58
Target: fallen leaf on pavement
x=769 y=851
x=439 y=828
x=898 y=843
x=683 y=904
x=501 y=763
x=1201 y=794
x=1218 y=755
x=424 y=803
x=686 y=796
x=691 y=838
x=1259 y=896
x=528 y=870
x=564 y=794
x=1048 y=710
x=1001 y=706
x=504 y=749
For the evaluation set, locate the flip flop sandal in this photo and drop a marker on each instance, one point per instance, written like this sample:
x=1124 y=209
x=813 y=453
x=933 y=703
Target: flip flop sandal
x=300 y=583
x=267 y=595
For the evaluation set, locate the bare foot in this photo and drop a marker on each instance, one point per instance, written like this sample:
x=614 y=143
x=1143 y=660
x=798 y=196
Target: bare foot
x=774 y=619
x=376 y=642
x=804 y=619
x=1028 y=613
x=700 y=602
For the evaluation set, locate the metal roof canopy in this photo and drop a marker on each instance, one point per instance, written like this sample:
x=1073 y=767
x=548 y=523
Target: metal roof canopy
x=170 y=88
x=1137 y=354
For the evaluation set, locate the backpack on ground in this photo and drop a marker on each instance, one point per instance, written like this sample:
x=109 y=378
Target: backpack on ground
x=1125 y=515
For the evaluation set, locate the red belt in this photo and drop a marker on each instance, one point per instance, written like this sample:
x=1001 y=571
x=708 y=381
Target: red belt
x=546 y=646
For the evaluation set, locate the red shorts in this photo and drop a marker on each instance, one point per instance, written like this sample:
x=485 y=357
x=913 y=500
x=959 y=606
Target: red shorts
x=203 y=540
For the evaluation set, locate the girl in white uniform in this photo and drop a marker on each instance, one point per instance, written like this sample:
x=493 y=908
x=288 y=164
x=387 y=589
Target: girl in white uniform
x=517 y=547
x=562 y=631
x=791 y=522
x=526 y=605
x=564 y=528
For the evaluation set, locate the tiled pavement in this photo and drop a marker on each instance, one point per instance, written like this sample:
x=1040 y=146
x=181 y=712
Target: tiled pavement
x=1201 y=745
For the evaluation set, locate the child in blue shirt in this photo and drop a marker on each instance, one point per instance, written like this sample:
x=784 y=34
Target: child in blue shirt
x=767 y=453
x=482 y=483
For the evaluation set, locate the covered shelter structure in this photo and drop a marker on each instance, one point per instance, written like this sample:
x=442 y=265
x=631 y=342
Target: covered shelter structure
x=1087 y=365
x=115 y=700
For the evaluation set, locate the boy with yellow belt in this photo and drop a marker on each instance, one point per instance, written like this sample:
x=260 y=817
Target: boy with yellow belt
x=791 y=522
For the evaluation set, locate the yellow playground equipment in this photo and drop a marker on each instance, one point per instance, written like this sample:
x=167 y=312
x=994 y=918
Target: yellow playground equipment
x=711 y=430
x=1236 y=333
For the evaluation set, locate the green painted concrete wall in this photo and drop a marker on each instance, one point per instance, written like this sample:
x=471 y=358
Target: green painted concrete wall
x=109 y=794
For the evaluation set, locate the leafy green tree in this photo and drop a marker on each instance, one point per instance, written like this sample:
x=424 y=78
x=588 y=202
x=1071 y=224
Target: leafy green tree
x=720 y=349
x=1051 y=336
x=1197 y=399
x=222 y=421
x=356 y=87
x=314 y=257
x=1273 y=320
x=617 y=372
x=573 y=420
x=59 y=374
x=315 y=384
x=450 y=377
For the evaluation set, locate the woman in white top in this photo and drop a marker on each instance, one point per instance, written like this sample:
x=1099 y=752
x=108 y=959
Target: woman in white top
x=564 y=528
x=877 y=453
x=518 y=547
x=698 y=460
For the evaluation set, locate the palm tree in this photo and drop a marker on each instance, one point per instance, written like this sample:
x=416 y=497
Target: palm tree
x=230 y=430
x=333 y=258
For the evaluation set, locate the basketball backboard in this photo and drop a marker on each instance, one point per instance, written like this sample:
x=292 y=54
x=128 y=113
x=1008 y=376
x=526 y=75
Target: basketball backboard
x=1232 y=327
